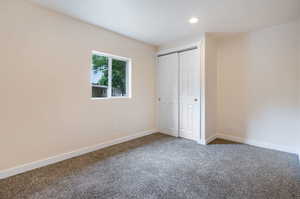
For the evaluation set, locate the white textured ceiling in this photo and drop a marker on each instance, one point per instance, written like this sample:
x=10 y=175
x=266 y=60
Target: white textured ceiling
x=163 y=21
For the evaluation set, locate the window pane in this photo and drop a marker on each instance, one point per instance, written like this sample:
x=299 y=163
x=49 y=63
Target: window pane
x=118 y=78
x=99 y=76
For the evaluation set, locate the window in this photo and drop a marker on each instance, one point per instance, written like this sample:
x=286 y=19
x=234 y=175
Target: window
x=110 y=76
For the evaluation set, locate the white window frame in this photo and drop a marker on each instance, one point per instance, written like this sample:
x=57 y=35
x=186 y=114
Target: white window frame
x=128 y=75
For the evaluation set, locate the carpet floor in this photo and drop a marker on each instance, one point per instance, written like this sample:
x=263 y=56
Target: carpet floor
x=160 y=166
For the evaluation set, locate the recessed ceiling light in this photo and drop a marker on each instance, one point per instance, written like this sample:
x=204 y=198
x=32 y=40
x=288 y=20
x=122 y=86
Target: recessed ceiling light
x=193 y=20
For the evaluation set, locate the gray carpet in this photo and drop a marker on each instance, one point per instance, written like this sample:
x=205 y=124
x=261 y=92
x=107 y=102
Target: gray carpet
x=159 y=166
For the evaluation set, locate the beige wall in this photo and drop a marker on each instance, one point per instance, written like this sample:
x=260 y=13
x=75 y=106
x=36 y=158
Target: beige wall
x=259 y=86
x=45 y=100
x=211 y=50
x=299 y=85
x=182 y=43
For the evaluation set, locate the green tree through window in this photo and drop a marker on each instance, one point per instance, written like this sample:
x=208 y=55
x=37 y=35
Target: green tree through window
x=107 y=71
x=119 y=76
x=100 y=63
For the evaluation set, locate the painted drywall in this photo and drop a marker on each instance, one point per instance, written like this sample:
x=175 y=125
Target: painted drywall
x=45 y=103
x=160 y=22
x=182 y=43
x=259 y=86
x=211 y=89
x=299 y=86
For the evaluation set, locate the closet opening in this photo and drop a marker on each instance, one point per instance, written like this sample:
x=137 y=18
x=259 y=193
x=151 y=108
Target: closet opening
x=179 y=93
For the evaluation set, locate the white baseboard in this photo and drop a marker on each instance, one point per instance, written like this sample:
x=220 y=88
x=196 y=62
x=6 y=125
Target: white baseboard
x=65 y=156
x=210 y=139
x=166 y=132
x=257 y=143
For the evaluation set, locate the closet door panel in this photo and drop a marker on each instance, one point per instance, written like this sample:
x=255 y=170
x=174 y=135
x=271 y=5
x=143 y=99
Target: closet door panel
x=189 y=94
x=167 y=79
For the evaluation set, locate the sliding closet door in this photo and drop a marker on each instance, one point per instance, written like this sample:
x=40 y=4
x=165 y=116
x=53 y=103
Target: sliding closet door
x=189 y=94
x=167 y=74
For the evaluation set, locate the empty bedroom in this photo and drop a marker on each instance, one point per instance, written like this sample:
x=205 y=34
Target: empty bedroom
x=149 y=99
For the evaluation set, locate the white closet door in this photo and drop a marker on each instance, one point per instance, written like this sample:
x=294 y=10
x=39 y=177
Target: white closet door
x=189 y=94
x=167 y=74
